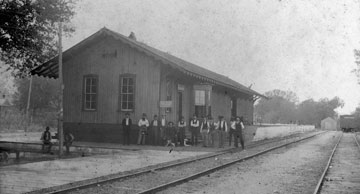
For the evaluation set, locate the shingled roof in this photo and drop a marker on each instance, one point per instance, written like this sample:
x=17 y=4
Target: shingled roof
x=50 y=68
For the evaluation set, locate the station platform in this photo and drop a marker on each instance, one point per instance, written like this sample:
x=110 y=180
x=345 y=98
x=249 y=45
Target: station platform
x=28 y=177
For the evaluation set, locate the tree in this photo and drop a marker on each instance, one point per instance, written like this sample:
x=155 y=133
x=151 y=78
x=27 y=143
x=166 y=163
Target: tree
x=357 y=62
x=28 y=30
x=279 y=108
x=44 y=94
x=312 y=112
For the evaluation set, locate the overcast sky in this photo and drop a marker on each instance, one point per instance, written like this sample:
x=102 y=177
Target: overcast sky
x=305 y=46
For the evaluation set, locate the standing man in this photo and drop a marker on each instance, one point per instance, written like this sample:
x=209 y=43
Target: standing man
x=155 y=130
x=126 y=124
x=163 y=126
x=181 y=131
x=194 y=129
x=238 y=132
x=143 y=124
x=222 y=130
x=212 y=132
x=204 y=130
x=232 y=129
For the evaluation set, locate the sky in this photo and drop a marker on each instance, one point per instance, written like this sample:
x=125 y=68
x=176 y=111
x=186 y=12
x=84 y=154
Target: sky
x=305 y=46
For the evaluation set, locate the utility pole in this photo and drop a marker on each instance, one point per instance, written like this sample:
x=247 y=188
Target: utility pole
x=60 y=113
x=27 y=115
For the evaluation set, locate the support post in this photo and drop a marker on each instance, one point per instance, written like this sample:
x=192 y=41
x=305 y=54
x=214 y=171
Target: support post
x=27 y=115
x=60 y=113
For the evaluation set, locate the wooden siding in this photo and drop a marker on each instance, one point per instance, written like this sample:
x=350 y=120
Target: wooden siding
x=109 y=59
x=245 y=108
x=220 y=104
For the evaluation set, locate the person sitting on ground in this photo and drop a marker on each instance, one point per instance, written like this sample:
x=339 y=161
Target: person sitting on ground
x=46 y=139
x=170 y=134
x=68 y=140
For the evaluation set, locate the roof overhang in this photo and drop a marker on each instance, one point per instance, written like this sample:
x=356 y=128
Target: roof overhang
x=50 y=68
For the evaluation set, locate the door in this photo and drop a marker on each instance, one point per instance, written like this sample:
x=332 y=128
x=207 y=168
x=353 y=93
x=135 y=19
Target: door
x=233 y=107
x=180 y=104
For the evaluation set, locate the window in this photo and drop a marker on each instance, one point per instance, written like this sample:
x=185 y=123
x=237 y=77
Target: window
x=127 y=92
x=90 y=92
x=199 y=97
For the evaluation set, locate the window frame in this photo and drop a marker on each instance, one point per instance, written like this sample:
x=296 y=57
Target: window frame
x=84 y=92
x=121 y=77
x=201 y=98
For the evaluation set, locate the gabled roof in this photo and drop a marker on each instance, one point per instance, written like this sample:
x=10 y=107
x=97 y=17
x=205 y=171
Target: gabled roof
x=50 y=68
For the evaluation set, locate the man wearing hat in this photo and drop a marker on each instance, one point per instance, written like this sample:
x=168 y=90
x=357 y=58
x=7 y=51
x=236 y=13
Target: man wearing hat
x=126 y=124
x=239 y=132
x=222 y=128
x=143 y=124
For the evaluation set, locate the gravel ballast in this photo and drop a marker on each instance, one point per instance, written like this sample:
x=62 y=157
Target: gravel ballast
x=136 y=184
x=294 y=169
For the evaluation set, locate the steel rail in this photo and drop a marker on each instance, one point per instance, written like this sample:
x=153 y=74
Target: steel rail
x=105 y=179
x=321 y=180
x=208 y=171
x=357 y=142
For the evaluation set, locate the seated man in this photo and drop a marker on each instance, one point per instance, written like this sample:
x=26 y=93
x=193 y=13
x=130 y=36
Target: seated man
x=68 y=140
x=46 y=139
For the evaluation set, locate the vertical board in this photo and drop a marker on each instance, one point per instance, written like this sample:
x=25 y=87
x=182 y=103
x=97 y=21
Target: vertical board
x=109 y=59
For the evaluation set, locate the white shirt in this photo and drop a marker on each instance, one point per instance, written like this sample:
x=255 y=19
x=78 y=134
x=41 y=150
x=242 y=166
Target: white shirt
x=202 y=126
x=232 y=124
x=143 y=122
x=182 y=125
x=155 y=123
x=163 y=122
x=127 y=121
x=196 y=124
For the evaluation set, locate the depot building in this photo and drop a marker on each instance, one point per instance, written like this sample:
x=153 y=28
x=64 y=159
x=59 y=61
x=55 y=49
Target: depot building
x=109 y=74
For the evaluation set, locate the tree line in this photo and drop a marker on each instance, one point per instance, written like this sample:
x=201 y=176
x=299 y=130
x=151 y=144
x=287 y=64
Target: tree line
x=284 y=107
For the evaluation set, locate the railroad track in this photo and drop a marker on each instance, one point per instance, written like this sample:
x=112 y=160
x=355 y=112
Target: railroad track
x=220 y=160
x=342 y=173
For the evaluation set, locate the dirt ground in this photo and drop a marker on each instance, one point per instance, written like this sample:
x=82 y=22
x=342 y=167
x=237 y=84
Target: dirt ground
x=295 y=169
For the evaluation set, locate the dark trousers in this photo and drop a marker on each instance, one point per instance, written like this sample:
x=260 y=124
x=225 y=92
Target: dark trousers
x=67 y=146
x=181 y=135
x=48 y=144
x=238 y=134
x=211 y=138
x=156 y=139
x=231 y=134
x=222 y=135
x=194 y=135
x=126 y=136
x=142 y=136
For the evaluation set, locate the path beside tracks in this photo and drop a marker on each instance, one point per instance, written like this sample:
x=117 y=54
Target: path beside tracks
x=160 y=179
x=342 y=172
x=60 y=175
x=292 y=169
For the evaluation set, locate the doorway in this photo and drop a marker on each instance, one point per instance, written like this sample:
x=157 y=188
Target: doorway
x=180 y=104
x=233 y=107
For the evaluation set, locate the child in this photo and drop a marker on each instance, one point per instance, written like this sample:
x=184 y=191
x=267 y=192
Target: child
x=69 y=138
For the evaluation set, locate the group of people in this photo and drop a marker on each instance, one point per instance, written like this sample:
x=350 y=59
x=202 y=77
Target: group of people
x=46 y=138
x=160 y=132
